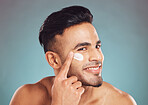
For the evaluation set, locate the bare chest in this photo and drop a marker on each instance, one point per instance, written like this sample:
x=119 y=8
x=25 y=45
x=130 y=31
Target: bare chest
x=102 y=101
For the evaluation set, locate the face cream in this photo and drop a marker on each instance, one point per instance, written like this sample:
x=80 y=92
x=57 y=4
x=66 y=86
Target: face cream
x=78 y=56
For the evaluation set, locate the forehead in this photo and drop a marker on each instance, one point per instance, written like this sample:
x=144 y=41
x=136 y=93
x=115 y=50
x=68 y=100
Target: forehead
x=80 y=33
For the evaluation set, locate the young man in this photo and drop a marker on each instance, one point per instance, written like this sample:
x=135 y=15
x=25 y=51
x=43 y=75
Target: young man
x=72 y=49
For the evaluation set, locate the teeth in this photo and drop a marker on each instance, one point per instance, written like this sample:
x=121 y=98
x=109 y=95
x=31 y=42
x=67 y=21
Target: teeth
x=99 y=64
x=93 y=68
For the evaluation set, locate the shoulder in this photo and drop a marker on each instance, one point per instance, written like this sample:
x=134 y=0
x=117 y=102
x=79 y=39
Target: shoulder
x=31 y=94
x=119 y=96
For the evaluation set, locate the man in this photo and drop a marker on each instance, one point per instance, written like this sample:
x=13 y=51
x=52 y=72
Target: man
x=72 y=49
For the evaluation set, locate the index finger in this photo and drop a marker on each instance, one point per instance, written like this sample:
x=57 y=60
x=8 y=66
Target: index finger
x=65 y=67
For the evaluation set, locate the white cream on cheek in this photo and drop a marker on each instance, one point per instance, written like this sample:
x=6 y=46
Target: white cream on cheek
x=78 y=56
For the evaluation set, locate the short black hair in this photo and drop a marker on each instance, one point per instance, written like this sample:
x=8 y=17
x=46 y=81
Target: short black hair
x=58 y=21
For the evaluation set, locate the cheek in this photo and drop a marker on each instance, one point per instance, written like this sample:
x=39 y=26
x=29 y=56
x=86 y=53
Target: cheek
x=78 y=61
x=76 y=65
x=78 y=56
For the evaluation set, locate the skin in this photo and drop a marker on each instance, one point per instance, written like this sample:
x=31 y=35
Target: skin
x=69 y=86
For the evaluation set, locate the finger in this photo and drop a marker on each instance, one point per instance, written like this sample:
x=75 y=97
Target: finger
x=80 y=90
x=65 y=67
x=77 y=84
x=70 y=80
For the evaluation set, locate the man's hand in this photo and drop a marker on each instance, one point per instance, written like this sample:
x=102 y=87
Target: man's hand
x=66 y=91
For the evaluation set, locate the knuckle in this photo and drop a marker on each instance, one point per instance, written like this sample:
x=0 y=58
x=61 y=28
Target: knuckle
x=57 y=79
x=75 y=78
x=65 y=83
x=71 y=87
x=80 y=83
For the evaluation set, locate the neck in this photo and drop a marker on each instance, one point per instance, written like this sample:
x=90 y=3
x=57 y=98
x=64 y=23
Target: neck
x=93 y=93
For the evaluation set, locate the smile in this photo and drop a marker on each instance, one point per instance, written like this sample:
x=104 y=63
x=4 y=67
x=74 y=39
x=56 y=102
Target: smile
x=94 y=69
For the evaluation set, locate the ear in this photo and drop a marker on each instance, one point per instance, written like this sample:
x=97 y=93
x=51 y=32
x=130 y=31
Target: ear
x=53 y=59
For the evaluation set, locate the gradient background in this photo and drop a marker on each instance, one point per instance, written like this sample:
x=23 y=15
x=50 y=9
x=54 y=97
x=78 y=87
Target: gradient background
x=122 y=26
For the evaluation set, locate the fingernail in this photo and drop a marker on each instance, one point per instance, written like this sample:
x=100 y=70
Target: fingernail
x=71 y=54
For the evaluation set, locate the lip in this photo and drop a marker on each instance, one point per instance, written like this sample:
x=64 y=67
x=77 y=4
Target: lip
x=94 y=69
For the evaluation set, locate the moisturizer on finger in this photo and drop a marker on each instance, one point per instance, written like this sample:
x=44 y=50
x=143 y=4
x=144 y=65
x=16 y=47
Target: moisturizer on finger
x=78 y=56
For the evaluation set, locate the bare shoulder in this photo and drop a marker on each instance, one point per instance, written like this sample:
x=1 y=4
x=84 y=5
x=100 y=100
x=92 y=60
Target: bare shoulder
x=32 y=94
x=119 y=96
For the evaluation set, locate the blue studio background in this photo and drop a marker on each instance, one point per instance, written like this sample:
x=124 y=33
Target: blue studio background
x=122 y=26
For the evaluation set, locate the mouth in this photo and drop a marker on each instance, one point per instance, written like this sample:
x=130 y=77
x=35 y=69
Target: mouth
x=94 y=69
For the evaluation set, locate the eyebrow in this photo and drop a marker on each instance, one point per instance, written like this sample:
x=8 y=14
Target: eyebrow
x=85 y=44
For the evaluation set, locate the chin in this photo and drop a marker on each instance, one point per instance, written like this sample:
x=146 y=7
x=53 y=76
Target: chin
x=98 y=85
x=93 y=83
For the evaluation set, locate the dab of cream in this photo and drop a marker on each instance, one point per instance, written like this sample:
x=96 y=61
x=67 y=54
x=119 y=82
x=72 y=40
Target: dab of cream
x=78 y=56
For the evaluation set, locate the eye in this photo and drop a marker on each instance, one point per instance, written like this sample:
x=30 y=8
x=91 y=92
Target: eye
x=82 y=49
x=98 y=46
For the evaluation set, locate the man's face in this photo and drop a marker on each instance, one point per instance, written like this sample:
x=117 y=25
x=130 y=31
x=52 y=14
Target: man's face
x=82 y=39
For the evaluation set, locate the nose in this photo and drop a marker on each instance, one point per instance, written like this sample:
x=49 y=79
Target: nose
x=96 y=55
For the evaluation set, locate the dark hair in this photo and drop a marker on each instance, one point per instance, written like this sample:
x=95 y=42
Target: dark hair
x=58 y=21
